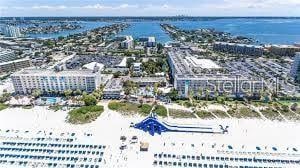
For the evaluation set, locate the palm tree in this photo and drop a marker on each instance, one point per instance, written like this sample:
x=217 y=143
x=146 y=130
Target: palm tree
x=200 y=93
x=206 y=94
x=191 y=95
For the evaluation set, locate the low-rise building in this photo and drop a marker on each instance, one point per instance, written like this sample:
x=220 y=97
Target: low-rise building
x=7 y=55
x=148 y=81
x=295 y=71
x=234 y=48
x=48 y=80
x=113 y=89
x=15 y=65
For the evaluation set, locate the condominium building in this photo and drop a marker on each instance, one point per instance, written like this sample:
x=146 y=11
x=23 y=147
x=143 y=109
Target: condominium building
x=137 y=67
x=15 y=65
x=234 y=48
x=48 y=80
x=206 y=78
x=295 y=71
x=113 y=89
x=7 y=55
x=284 y=50
x=11 y=31
x=151 y=42
x=128 y=43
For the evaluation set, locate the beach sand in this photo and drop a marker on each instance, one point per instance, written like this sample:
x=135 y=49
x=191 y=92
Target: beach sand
x=108 y=128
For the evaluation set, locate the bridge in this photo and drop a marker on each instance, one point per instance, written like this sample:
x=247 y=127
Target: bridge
x=153 y=125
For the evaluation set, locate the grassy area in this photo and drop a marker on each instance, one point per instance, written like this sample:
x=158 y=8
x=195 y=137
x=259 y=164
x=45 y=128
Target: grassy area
x=174 y=113
x=161 y=110
x=220 y=114
x=185 y=103
x=3 y=106
x=271 y=114
x=127 y=108
x=205 y=115
x=243 y=112
x=289 y=102
x=85 y=114
x=56 y=107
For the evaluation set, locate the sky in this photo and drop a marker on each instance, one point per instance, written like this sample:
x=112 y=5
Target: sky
x=149 y=7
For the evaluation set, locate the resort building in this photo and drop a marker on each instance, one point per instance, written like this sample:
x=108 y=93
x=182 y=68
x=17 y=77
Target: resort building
x=284 y=50
x=192 y=75
x=11 y=31
x=234 y=48
x=113 y=89
x=151 y=42
x=128 y=43
x=295 y=71
x=7 y=55
x=46 y=80
x=15 y=65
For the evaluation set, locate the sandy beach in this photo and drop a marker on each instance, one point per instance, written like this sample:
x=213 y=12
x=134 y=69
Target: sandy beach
x=108 y=128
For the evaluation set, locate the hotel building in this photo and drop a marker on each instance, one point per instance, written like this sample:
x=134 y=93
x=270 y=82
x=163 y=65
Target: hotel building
x=48 y=80
x=252 y=50
x=192 y=75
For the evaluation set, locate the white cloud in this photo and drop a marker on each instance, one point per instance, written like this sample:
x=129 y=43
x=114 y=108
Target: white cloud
x=207 y=8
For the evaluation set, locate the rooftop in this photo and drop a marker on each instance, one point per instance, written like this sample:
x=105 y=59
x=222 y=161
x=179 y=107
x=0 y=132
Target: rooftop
x=15 y=61
x=92 y=65
x=49 y=72
x=115 y=84
x=202 y=63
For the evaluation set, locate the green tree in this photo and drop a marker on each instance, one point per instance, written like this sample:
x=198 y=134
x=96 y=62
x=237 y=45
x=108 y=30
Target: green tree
x=173 y=94
x=129 y=62
x=117 y=74
x=68 y=93
x=78 y=92
x=155 y=89
x=89 y=100
x=36 y=93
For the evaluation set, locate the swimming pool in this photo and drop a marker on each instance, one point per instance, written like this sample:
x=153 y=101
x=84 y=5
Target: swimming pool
x=51 y=100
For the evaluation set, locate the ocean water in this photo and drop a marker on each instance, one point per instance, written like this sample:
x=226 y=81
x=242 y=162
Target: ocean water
x=265 y=31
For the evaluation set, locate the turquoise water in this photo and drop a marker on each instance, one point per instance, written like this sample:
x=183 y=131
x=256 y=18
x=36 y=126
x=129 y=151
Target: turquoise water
x=51 y=100
x=276 y=31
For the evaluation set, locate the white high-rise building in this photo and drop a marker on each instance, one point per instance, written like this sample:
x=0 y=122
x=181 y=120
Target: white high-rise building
x=11 y=31
x=48 y=80
x=128 y=43
x=295 y=71
x=151 y=42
